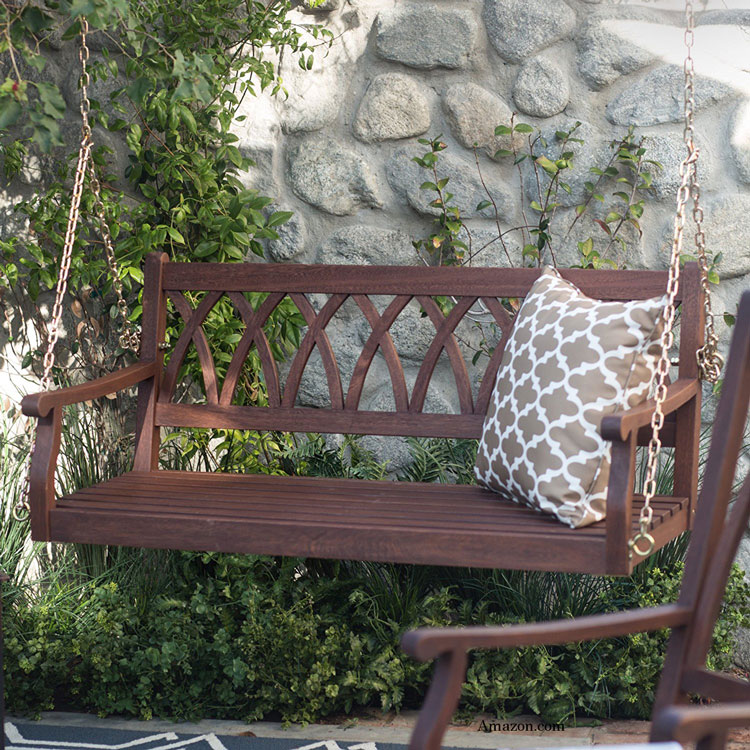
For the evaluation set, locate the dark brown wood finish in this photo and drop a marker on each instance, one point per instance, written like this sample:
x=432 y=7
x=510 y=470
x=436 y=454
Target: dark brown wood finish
x=358 y=520
x=152 y=336
x=712 y=549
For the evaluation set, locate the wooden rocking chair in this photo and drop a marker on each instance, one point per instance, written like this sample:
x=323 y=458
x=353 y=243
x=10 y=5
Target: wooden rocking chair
x=713 y=545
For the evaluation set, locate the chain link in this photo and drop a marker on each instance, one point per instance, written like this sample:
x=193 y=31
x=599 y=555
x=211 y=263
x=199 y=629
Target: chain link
x=710 y=362
x=130 y=338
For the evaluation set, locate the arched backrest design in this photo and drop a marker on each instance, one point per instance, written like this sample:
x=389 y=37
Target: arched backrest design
x=362 y=289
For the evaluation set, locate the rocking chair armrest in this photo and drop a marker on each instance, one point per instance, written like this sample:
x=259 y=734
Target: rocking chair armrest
x=693 y=723
x=619 y=425
x=427 y=643
x=40 y=404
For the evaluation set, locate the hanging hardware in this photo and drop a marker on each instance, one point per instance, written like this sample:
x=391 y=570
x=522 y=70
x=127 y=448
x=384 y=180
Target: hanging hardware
x=709 y=360
x=129 y=338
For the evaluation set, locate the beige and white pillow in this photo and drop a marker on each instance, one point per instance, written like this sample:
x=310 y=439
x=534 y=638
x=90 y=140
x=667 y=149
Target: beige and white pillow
x=570 y=360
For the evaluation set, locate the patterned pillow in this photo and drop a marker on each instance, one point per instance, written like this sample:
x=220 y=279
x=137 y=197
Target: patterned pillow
x=569 y=361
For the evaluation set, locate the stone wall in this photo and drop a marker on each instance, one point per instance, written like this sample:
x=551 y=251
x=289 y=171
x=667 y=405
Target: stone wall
x=337 y=151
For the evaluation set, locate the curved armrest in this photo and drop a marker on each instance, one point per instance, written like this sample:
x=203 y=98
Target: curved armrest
x=427 y=643
x=619 y=425
x=691 y=724
x=40 y=404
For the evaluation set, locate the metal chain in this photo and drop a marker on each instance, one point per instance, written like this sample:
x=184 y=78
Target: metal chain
x=708 y=358
x=130 y=338
x=710 y=362
x=22 y=509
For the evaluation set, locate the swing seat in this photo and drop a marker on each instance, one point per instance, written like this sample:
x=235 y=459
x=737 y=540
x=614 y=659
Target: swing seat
x=405 y=522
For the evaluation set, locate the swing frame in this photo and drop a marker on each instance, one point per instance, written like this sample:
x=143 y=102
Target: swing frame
x=462 y=525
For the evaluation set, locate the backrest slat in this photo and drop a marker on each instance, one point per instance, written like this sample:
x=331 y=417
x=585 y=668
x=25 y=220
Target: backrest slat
x=324 y=294
x=412 y=280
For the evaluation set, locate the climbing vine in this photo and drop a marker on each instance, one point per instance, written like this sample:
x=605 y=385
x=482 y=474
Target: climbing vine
x=176 y=74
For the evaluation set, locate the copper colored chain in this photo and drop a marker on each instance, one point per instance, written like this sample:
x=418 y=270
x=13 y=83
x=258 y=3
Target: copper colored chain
x=129 y=339
x=709 y=360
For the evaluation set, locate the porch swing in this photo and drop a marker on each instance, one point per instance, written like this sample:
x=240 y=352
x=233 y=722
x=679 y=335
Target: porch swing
x=402 y=522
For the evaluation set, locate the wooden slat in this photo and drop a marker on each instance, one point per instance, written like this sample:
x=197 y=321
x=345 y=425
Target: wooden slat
x=412 y=280
x=340 y=518
x=481 y=548
x=304 y=419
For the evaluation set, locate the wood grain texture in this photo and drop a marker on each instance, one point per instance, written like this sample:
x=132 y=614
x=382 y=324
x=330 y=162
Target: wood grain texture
x=40 y=404
x=153 y=331
x=191 y=334
x=411 y=280
x=254 y=334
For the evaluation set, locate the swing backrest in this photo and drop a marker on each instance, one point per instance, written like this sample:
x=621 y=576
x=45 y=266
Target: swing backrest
x=319 y=293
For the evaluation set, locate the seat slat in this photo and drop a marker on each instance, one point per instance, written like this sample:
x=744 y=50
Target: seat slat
x=350 y=502
x=320 y=508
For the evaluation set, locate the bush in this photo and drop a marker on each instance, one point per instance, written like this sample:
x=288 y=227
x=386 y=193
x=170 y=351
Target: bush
x=253 y=637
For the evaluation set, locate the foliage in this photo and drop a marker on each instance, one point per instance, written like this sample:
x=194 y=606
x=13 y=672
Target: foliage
x=614 y=199
x=178 y=74
x=247 y=637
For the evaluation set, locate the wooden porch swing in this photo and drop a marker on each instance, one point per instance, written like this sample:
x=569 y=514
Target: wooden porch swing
x=356 y=519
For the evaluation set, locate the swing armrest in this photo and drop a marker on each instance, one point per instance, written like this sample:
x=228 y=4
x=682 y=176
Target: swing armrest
x=692 y=724
x=40 y=404
x=427 y=643
x=619 y=425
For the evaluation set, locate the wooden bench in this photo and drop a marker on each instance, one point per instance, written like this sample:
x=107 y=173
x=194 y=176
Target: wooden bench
x=347 y=518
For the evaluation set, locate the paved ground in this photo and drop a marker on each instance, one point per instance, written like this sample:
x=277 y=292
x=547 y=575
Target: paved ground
x=517 y=732
x=485 y=733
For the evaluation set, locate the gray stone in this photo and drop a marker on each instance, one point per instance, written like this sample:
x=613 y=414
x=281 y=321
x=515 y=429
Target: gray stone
x=291 y=242
x=739 y=141
x=541 y=88
x=315 y=96
x=362 y=246
x=658 y=96
x=487 y=249
x=393 y=107
x=730 y=17
x=473 y=113
x=725 y=225
x=424 y=36
x=519 y=28
x=669 y=150
x=405 y=177
x=331 y=177
x=604 y=54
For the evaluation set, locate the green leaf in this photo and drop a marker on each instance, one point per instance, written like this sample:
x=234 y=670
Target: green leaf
x=503 y=130
x=522 y=127
x=482 y=205
x=10 y=111
x=279 y=217
x=175 y=235
x=547 y=165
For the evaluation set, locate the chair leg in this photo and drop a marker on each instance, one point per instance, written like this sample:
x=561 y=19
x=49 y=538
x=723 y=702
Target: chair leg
x=441 y=701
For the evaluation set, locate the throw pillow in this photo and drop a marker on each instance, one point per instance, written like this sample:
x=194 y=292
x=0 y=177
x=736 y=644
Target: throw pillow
x=569 y=361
